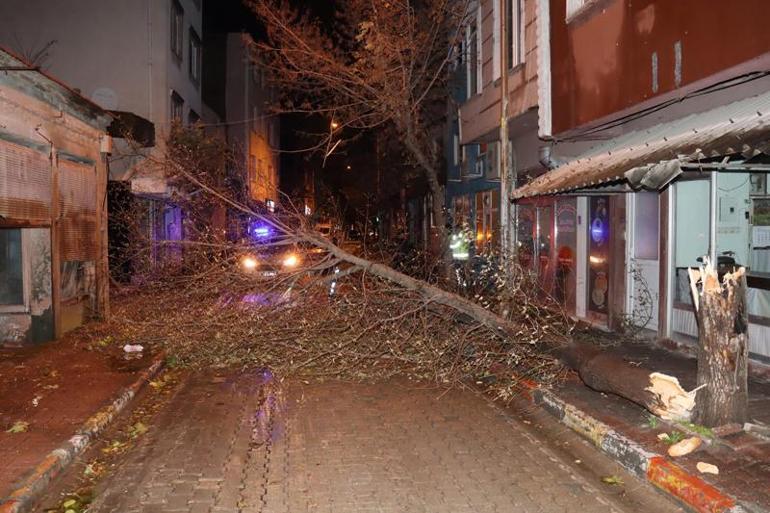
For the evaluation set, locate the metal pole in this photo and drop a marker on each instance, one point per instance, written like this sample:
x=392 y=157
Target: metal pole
x=713 y=219
x=503 y=154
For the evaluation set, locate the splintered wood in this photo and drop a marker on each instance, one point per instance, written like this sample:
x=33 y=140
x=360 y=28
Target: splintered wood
x=671 y=401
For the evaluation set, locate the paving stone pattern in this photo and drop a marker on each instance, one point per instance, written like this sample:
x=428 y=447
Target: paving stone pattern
x=236 y=444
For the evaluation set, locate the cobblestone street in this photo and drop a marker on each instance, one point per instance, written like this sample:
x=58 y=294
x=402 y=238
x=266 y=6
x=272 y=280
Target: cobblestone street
x=246 y=443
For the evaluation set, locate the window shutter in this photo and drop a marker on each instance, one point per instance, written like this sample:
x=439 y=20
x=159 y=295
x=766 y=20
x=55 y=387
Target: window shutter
x=25 y=183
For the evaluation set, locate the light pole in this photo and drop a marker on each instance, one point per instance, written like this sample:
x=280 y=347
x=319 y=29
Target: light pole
x=505 y=179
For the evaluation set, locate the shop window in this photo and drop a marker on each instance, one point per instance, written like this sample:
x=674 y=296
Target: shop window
x=566 y=251
x=525 y=232
x=598 y=254
x=646 y=226
x=11 y=269
x=545 y=268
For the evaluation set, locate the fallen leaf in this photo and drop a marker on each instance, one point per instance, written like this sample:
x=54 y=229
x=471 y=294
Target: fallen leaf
x=613 y=480
x=69 y=503
x=137 y=430
x=19 y=426
x=115 y=447
x=707 y=468
x=663 y=436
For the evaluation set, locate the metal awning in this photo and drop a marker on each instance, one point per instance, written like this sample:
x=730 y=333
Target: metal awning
x=653 y=157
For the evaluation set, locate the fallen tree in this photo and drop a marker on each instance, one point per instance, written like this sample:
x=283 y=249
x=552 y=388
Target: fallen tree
x=607 y=372
x=379 y=321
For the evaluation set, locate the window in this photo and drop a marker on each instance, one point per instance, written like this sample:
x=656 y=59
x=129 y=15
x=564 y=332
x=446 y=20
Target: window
x=195 y=57
x=496 y=60
x=489 y=161
x=253 y=172
x=455 y=149
x=177 y=107
x=256 y=119
x=11 y=273
x=487 y=220
x=192 y=117
x=177 y=36
x=575 y=6
x=473 y=44
x=514 y=29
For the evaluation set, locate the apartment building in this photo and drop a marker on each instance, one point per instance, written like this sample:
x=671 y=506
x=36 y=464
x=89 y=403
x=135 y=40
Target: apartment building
x=655 y=134
x=236 y=87
x=141 y=60
x=493 y=97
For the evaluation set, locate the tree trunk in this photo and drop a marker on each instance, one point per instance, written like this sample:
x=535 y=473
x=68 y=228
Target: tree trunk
x=439 y=217
x=608 y=372
x=429 y=292
x=723 y=342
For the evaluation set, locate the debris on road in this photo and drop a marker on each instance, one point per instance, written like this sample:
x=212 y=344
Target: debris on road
x=686 y=446
x=19 y=426
x=707 y=468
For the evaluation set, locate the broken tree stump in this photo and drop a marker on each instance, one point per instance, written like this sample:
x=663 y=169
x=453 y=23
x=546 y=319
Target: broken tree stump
x=723 y=345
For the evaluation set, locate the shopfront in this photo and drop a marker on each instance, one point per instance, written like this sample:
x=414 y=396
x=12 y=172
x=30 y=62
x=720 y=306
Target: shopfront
x=568 y=242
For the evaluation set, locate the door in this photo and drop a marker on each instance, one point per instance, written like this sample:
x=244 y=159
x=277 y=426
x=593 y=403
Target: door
x=644 y=265
x=598 y=257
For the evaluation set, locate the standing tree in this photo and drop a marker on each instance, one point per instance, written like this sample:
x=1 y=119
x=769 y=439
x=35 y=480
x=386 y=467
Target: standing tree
x=381 y=64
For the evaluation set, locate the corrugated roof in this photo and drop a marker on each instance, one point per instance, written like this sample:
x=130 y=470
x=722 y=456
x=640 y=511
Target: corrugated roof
x=738 y=127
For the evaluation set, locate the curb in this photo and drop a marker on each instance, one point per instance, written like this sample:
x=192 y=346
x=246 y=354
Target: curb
x=23 y=497
x=668 y=477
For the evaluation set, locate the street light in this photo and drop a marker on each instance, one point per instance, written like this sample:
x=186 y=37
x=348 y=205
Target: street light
x=335 y=125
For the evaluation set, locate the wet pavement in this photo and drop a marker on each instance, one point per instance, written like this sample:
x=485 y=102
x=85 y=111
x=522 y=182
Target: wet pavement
x=49 y=391
x=245 y=443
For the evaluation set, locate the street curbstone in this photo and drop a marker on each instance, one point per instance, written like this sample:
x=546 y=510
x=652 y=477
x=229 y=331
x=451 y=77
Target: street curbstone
x=23 y=497
x=691 y=490
x=627 y=452
x=668 y=477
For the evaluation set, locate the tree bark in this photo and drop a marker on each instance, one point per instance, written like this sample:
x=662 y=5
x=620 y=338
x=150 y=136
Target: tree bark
x=723 y=342
x=439 y=216
x=608 y=372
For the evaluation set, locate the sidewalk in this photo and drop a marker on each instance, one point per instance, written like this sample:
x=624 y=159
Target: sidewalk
x=53 y=399
x=626 y=432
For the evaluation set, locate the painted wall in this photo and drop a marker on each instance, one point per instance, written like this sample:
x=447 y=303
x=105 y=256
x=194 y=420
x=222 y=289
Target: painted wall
x=614 y=54
x=40 y=118
x=116 y=53
x=481 y=114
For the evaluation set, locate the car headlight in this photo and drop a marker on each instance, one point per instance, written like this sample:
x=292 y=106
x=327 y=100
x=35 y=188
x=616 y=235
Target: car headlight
x=291 y=260
x=249 y=263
